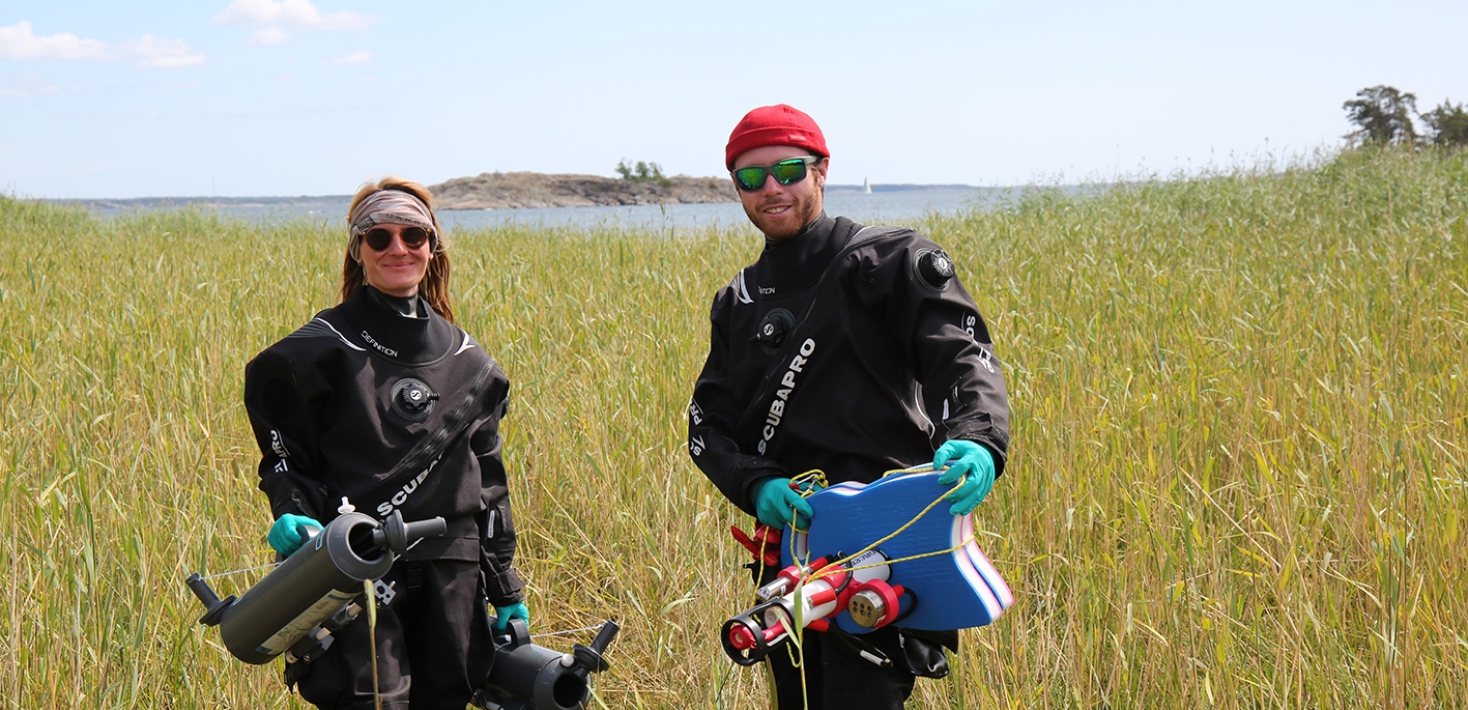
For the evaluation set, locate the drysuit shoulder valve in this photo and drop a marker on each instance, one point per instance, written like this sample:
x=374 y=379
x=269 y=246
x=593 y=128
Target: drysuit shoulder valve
x=934 y=269
x=311 y=586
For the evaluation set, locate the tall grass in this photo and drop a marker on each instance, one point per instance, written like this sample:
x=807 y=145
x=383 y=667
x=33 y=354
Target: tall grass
x=1238 y=475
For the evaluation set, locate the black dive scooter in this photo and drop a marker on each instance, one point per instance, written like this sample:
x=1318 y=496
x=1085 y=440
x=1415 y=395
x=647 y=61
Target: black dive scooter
x=530 y=677
x=316 y=591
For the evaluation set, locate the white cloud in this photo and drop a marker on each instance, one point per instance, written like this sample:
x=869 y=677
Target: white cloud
x=20 y=42
x=290 y=13
x=19 y=86
x=149 y=51
x=269 y=35
x=21 y=92
x=154 y=52
x=361 y=57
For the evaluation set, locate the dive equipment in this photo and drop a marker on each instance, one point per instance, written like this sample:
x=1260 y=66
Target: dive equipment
x=290 y=531
x=503 y=614
x=872 y=556
x=530 y=677
x=777 y=503
x=820 y=591
x=934 y=268
x=413 y=399
x=772 y=329
x=295 y=607
x=971 y=466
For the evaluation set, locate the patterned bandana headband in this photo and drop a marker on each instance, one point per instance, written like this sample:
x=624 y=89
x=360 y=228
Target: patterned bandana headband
x=389 y=207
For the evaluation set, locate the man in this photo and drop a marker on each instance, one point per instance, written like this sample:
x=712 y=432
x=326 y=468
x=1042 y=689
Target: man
x=847 y=350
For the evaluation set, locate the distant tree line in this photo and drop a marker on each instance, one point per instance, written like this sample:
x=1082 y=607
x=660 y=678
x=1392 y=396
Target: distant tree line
x=641 y=172
x=1383 y=115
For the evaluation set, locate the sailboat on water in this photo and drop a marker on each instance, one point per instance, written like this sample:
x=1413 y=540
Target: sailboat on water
x=866 y=186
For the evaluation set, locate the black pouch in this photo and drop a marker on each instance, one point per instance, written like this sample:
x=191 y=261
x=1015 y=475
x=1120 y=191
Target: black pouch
x=923 y=658
x=919 y=653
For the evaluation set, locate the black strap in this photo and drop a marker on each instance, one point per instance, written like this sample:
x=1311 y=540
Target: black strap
x=771 y=377
x=432 y=446
x=868 y=652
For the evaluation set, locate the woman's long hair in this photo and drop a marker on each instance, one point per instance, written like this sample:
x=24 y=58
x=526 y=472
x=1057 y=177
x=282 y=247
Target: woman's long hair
x=435 y=284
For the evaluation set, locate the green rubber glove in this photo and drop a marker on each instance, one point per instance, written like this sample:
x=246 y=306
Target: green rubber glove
x=776 y=505
x=503 y=614
x=967 y=459
x=288 y=533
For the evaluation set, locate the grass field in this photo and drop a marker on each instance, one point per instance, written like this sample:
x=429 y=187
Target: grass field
x=1237 y=479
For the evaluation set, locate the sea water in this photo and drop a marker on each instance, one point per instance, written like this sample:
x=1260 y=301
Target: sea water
x=878 y=207
x=884 y=205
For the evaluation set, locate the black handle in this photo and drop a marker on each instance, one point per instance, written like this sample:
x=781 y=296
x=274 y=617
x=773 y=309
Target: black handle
x=604 y=637
x=214 y=607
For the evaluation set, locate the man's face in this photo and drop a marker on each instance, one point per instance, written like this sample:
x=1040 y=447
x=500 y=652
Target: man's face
x=781 y=211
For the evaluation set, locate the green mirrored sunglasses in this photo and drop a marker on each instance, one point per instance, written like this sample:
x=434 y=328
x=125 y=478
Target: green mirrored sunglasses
x=786 y=172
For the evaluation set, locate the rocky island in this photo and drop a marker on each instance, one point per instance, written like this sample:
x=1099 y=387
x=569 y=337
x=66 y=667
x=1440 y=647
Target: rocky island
x=527 y=189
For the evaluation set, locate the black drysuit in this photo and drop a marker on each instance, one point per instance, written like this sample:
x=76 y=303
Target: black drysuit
x=339 y=404
x=851 y=351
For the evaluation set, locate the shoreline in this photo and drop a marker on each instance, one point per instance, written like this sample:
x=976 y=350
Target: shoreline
x=336 y=201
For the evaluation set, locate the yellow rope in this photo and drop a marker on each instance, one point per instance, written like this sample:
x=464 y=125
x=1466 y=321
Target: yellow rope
x=806 y=483
x=835 y=566
x=816 y=478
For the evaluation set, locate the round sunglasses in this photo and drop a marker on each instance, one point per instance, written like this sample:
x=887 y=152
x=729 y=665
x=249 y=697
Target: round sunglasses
x=786 y=172
x=379 y=239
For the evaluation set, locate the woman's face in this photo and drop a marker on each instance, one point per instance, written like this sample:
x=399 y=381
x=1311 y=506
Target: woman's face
x=396 y=269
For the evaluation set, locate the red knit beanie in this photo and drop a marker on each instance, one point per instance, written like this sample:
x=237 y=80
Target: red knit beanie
x=774 y=125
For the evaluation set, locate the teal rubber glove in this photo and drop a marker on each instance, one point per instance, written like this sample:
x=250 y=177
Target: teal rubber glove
x=503 y=614
x=775 y=504
x=965 y=458
x=288 y=533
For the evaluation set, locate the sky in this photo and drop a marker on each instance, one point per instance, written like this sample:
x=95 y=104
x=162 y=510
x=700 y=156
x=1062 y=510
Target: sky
x=244 y=98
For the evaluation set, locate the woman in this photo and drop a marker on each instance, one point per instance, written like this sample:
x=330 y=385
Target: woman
x=382 y=403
